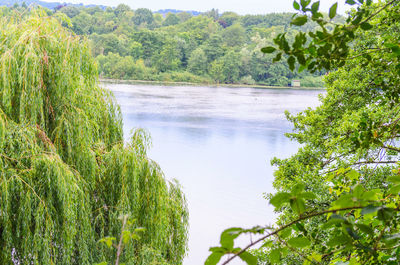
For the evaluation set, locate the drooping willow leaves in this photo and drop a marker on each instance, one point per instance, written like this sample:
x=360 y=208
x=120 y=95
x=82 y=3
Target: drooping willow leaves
x=65 y=172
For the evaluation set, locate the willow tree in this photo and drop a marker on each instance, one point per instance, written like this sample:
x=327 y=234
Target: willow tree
x=66 y=173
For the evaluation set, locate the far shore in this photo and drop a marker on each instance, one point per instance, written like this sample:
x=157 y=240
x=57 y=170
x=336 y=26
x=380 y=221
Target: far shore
x=169 y=83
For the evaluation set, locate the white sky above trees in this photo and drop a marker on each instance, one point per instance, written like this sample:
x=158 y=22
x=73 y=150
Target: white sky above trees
x=239 y=6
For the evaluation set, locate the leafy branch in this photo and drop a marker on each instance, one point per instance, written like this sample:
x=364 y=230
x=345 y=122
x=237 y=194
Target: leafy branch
x=326 y=48
x=127 y=235
x=286 y=226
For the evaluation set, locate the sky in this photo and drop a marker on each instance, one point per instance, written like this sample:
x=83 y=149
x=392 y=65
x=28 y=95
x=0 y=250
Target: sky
x=239 y=6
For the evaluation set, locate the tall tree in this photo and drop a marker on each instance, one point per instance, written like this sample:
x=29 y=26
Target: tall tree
x=338 y=196
x=143 y=15
x=66 y=172
x=198 y=62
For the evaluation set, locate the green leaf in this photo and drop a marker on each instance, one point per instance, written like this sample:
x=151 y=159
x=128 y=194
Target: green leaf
x=101 y=263
x=365 y=228
x=353 y=174
x=308 y=195
x=304 y=4
x=298 y=188
x=316 y=257
x=384 y=214
x=370 y=209
x=301 y=228
x=296 y=5
x=140 y=230
x=135 y=236
x=285 y=233
x=396 y=50
x=277 y=57
x=366 y=26
x=298 y=205
x=332 y=10
x=350 y=2
x=299 y=20
x=395 y=189
x=268 y=49
x=315 y=7
x=279 y=199
x=346 y=200
x=394 y=179
x=338 y=239
x=299 y=242
x=358 y=191
x=267 y=244
x=228 y=236
x=108 y=241
x=248 y=258
x=352 y=233
x=126 y=236
x=275 y=256
x=214 y=258
x=371 y=195
x=218 y=249
x=334 y=220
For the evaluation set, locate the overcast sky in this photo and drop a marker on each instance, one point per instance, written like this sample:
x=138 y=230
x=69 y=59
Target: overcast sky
x=239 y=6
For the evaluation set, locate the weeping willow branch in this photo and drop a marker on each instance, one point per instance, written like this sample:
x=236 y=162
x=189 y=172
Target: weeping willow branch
x=119 y=247
x=63 y=158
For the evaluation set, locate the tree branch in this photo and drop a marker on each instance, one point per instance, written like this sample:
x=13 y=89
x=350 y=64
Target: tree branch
x=301 y=218
x=377 y=12
x=374 y=162
x=391 y=148
x=296 y=251
x=119 y=250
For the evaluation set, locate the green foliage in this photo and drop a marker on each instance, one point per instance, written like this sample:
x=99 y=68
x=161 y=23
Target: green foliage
x=197 y=63
x=338 y=196
x=66 y=173
x=128 y=235
x=171 y=20
x=234 y=35
x=166 y=45
x=329 y=46
x=227 y=19
x=143 y=16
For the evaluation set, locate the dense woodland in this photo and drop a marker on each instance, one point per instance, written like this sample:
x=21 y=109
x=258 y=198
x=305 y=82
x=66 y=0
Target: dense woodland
x=207 y=48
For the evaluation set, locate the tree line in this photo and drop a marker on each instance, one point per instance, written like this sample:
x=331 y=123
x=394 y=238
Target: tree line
x=207 y=48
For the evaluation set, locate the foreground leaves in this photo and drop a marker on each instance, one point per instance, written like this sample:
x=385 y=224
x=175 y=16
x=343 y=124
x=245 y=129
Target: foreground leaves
x=338 y=196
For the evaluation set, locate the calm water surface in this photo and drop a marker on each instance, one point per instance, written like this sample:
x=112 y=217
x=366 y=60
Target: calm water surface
x=218 y=143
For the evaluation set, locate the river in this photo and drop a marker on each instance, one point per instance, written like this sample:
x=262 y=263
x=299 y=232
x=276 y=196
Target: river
x=217 y=142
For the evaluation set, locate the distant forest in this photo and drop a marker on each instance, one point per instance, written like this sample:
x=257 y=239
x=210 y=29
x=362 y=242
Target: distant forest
x=180 y=46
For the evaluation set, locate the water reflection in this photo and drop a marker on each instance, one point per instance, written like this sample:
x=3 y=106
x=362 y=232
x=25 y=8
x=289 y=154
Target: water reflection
x=218 y=143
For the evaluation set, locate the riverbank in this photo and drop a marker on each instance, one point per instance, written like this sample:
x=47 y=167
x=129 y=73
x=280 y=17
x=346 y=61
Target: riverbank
x=169 y=83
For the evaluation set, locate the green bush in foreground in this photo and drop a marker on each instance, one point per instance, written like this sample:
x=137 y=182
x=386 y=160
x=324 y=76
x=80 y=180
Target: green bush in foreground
x=338 y=197
x=65 y=172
